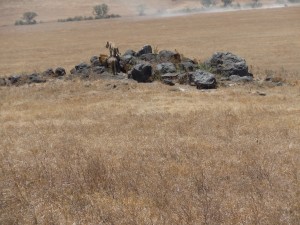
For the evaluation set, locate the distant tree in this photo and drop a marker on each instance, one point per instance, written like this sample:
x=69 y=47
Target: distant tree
x=29 y=17
x=101 y=10
x=227 y=2
x=141 y=9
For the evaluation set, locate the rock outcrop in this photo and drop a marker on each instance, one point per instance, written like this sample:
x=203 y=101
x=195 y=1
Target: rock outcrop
x=202 y=79
x=145 y=50
x=141 y=72
x=227 y=64
x=169 y=67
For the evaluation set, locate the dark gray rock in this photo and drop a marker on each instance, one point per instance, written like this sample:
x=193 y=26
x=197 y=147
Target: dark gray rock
x=187 y=66
x=35 y=78
x=236 y=78
x=60 y=72
x=169 y=56
x=166 y=68
x=126 y=62
x=149 y=57
x=141 y=72
x=48 y=72
x=145 y=50
x=98 y=69
x=95 y=61
x=82 y=69
x=82 y=66
x=227 y=64
x=128 y=59
x=14 y=79
x=202 y=79
x=168 y=82
x=129 y=52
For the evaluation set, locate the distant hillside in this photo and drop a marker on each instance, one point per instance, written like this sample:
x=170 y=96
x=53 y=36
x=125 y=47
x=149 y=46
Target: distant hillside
x=11 y=10
x=52 y=10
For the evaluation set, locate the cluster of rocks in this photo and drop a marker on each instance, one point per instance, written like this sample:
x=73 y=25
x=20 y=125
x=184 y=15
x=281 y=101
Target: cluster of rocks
x=146 y=66
x=170 y=67
x=32 y=78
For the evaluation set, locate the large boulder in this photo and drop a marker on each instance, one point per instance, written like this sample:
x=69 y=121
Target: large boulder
x=169 y=56
x=167 y=67
x=145 y=50
x=227 y=64
x=202 y=79
x=141 y=72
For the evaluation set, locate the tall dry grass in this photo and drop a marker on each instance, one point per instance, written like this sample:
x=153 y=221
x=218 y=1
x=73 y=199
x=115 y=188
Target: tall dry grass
x=115 y=152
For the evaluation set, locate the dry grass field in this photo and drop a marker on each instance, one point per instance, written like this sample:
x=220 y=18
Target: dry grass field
x=119 y=152
x=267 y=39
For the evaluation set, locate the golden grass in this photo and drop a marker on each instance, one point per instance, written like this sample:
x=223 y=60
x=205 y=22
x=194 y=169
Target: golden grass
x=117 y=152
x=267 y=39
